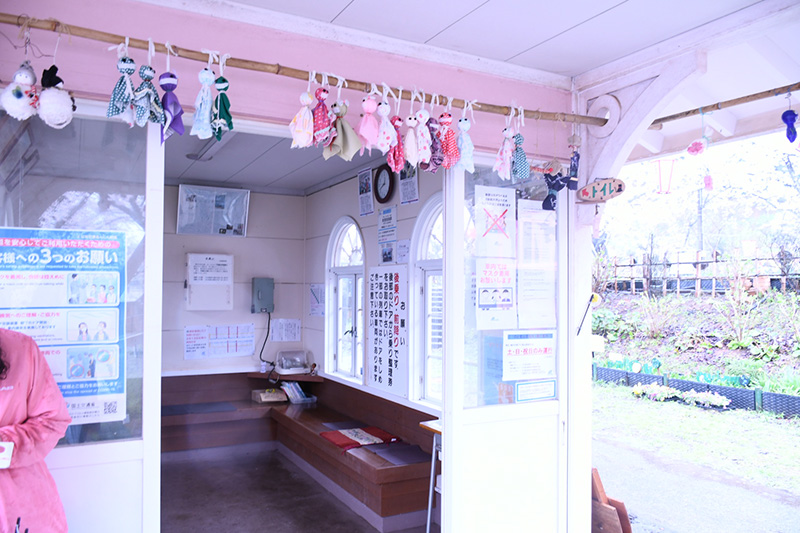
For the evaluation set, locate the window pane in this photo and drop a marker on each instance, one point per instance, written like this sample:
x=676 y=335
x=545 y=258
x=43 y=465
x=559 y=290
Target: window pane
x=87 y=177
x=359 y=355
x=350 y=248
x=346 y=332
x=435 y=247
x=434 y=334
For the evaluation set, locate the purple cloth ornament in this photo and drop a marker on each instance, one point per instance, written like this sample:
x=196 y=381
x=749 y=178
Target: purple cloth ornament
x=789 y=118
x=172 y=107
x=437 y=154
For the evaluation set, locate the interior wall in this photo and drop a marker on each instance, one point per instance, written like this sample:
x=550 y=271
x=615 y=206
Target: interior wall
x=273 y=248
x=323 y=209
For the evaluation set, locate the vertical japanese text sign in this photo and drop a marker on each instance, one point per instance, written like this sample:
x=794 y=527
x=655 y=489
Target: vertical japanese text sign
x=387 y=332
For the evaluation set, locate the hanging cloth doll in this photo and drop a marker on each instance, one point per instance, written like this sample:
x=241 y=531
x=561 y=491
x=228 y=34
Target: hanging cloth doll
x=387 y=137
x=574 y=143
x=437 y=156
x=396 y=158
x=121 y=103
x=555 y=182
x=447 y=137
x=56 y=105
x=322 y=119
x=789 y=118
x=520 y=167
x=368 y=126
x=332 y=117
x=410 y=140
x=145 y=100
x=222 y=120
x=423 y=135
x=502 y=162
x=466 y=147
x=173 y=111
x=204 y=101
x=20 y=98
x=346 y=142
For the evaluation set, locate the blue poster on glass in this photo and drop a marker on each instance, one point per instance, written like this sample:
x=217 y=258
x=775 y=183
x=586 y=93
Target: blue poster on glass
x=66 y=289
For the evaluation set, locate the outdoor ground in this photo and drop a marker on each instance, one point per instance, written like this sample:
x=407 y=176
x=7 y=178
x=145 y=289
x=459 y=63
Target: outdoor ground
x=682 y=468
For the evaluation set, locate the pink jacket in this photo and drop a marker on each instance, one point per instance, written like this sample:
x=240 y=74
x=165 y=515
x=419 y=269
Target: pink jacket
x=33 y=415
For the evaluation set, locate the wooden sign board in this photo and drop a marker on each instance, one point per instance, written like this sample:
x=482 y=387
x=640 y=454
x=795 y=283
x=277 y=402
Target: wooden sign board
x=601 y=190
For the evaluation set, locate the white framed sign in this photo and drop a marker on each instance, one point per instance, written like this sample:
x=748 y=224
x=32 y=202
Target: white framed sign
x=212 y=211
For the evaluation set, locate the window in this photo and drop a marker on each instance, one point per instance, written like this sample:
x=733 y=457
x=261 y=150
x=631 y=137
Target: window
x=345 y=292
x=429 y=301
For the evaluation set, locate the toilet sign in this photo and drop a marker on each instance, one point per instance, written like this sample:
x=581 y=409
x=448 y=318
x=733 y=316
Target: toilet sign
x=601 y=190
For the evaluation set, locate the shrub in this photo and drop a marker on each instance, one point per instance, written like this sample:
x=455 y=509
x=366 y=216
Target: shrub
x=655 y=392
x=656 y=314
x=610 y=325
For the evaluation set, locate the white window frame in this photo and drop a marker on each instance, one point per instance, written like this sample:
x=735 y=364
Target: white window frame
x=418 y=333
x=334 y=273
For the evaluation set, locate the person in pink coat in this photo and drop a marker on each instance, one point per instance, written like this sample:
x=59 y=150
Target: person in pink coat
x=33 y=415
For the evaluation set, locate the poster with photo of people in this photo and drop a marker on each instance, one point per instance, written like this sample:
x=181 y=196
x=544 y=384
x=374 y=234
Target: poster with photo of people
x=65 y=288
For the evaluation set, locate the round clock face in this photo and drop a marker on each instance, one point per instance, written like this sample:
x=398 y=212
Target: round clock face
x=384 y=184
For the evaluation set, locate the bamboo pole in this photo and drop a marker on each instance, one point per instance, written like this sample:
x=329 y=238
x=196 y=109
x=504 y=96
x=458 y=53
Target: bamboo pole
x=728 y=103
x=274 y=68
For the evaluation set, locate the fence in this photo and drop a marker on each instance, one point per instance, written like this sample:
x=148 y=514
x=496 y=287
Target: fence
x=697 y=275
x=752 y=399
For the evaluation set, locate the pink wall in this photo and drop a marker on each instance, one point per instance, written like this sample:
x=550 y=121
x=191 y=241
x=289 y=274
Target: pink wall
x=90 y=70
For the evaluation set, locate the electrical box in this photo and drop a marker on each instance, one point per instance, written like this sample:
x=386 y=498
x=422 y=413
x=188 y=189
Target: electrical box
x=263 y=291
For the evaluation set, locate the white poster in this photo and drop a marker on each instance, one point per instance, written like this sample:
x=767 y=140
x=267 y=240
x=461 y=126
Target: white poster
x=536 y=263
x=285 y=330
x=495 y=221
x=366 y=204
x=387 y=335
x=496 y=293
x=209 y=269
x=409 y=186
x=316 y=299
x=403 y=250
x=387 y=233
x=529 y=355
x=203 y=342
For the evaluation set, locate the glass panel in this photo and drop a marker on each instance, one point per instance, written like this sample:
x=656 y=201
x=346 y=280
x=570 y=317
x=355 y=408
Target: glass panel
x=435 y=247
x=359 y=336
x=82 y=191
x=434 y=334
x=510 y=267
x=345 y=332
x=350 y=248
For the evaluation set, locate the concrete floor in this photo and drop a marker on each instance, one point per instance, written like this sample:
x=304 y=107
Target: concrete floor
x=248 y=488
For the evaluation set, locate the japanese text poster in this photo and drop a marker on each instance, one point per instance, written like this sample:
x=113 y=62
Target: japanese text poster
x=387 y=347
x=409 y=187
x=201 y=342
x=496 y=281
x=495 y=221
x=536 y=263
x=65 y=288
x=529 y=355
x=366 y=204
x=387 y=234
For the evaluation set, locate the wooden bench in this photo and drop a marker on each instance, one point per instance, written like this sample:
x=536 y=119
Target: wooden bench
x=247 y=422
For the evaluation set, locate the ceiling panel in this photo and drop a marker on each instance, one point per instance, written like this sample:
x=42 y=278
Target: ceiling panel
x=415 y=21
x=632 y=26
x=501 y=29
x=310 y=9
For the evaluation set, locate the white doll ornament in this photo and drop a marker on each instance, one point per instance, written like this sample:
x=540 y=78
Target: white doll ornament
x=387 y=137
x=302 y=125
x=465 y=146
x=56 y=105
x=202 y=106
x=502 y=163
x=423 y=136
x=21 y=99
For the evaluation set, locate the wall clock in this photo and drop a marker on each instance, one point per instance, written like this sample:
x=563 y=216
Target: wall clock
x=383 y=183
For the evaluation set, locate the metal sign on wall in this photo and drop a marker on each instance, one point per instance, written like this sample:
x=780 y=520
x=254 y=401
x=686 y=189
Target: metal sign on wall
x=387 y=335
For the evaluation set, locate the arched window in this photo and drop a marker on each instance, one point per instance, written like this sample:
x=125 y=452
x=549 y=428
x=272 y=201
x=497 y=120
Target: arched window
x=345 y=296
x=428 y=303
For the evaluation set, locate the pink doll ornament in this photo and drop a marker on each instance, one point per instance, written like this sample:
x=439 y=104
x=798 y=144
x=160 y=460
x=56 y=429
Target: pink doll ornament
x=423 y=137
x=447 y=138
x=410 y=141
x=302 y=125
x=21 y=99
x=322 y=119
x=345 y=143
x=368 y=126
x=387 y=137
x=502 y=163
x=466 y=147
x=396 y=158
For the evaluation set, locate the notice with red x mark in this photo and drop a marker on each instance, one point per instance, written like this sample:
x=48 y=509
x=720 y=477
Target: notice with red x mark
x=495 y=221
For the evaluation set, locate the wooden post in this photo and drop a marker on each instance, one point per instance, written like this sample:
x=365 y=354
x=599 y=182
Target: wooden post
x=616 y=280
x=678 y=275
x=697 y=271
x=714 y=275
x=647 y=272
x=783 y=284
x=632 y=273
x=664 y=277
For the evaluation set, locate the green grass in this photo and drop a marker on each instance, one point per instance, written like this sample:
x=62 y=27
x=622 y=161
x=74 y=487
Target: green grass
x=754 y=446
